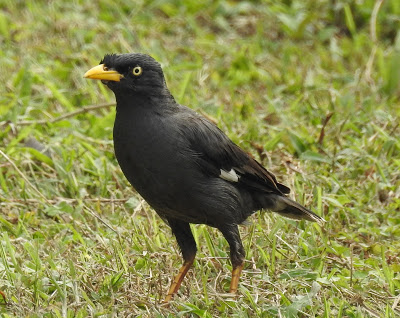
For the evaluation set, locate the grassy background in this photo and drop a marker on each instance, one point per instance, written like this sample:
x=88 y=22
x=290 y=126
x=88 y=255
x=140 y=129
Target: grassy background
x=310 y=88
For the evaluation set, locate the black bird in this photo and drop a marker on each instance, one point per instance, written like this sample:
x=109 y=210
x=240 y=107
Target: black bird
x=186 y=168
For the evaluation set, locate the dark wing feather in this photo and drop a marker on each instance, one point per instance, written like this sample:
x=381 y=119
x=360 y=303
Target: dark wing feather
x=215 y=151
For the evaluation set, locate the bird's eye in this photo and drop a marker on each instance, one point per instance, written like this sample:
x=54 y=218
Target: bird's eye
x=137 y=70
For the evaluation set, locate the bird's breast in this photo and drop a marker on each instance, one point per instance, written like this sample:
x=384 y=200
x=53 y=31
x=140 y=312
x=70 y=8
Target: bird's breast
x=147 y=150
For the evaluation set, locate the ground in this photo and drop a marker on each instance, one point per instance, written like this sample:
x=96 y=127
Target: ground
x=309 y=88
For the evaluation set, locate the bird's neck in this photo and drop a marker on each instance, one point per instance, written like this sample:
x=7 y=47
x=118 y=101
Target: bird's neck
x=135 y=104
x=136 y=118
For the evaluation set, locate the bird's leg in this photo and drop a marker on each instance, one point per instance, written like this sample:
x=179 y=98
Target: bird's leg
x=188 y=248
x=236 y=271
x=176 y=283
x=231 y=234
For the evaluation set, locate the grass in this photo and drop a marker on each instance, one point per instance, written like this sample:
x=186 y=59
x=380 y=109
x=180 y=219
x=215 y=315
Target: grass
x=310 y=88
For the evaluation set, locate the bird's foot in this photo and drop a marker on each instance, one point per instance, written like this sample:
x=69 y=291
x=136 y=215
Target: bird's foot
x=178 y=281
x=235 y=278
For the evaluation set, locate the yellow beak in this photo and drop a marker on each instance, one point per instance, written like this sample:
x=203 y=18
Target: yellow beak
x=98 y=72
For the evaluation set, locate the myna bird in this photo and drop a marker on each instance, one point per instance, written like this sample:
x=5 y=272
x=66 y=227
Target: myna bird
x=183 y=165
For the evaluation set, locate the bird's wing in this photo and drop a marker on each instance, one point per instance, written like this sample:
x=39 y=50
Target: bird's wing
x=218 y=155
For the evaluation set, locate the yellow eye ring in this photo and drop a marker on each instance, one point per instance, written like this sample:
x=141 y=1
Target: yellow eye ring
x=137 y=70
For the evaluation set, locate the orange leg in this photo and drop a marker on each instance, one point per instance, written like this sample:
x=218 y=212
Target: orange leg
x=178 y=280
x=235 y=278
x=231 y=234
x=4 y=297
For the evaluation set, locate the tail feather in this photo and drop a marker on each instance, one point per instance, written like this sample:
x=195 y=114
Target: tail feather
x=291 y=209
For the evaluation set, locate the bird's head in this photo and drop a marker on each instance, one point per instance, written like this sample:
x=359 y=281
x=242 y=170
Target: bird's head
x=132 y=73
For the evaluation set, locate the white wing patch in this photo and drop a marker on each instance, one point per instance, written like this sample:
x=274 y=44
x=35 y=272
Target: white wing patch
x=229 y=175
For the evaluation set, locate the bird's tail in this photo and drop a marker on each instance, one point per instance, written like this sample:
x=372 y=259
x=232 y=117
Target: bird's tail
x=291 y=209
